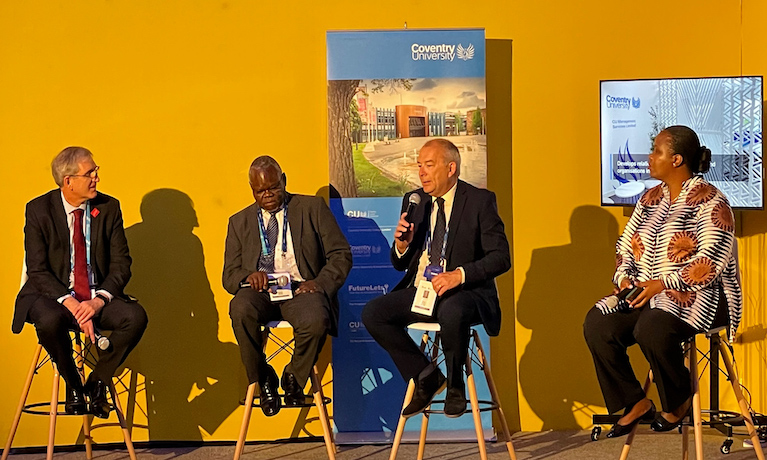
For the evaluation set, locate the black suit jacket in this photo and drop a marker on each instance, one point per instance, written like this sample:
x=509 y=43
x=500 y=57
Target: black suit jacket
x=476 y=241
x=322 y=252
x=46 y=242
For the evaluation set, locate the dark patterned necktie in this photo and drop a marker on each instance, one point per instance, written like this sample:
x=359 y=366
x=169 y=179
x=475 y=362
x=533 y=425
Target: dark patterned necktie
x=438 y=234
x=82 y=285
x=272 y=229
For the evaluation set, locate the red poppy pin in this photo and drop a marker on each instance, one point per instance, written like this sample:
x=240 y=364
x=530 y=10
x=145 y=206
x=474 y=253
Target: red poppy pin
x=95 y=212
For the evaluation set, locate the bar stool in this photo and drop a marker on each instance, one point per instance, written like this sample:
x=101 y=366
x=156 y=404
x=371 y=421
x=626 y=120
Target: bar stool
x=476 y=356
x=54 y=403
x=691 y=359
x=320 y=401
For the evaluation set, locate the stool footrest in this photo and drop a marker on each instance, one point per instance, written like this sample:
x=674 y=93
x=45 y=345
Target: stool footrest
x=484 y=407
x=257 y=403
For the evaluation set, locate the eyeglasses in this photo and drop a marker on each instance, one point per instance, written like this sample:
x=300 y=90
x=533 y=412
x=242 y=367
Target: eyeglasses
x=92 y=174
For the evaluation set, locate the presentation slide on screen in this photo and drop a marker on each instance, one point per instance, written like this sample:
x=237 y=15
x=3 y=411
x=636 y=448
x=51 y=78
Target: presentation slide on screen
x=726 y=113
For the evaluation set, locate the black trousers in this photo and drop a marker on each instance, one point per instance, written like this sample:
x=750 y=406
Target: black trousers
x=659 y=335
x=386 y=319
x=53 y=321
x=308 y=313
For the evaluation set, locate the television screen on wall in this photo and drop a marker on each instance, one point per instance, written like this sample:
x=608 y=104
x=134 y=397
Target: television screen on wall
x=725 y=112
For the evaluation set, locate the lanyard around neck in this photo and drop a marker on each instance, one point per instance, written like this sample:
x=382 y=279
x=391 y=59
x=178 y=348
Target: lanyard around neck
x=265 y=248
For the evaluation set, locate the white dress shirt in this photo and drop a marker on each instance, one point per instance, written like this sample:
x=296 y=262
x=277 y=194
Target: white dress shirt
x=423 y=261
x=283 y=262
x=69 y=211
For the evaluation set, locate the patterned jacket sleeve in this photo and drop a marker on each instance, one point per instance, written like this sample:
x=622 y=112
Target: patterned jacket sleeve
x=714 y=238
x=624 y=254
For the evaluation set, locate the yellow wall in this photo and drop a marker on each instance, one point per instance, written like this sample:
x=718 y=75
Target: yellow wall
x=182 y=95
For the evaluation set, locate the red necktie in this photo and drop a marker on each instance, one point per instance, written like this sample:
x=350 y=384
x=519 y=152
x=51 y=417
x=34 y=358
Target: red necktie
x=82 y=285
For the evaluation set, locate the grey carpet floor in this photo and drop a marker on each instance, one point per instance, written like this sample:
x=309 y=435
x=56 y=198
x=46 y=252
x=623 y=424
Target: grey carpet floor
x=571 y=445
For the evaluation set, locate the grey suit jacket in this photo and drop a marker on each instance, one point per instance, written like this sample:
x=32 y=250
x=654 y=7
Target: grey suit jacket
x=322 y=252
x=46 y=241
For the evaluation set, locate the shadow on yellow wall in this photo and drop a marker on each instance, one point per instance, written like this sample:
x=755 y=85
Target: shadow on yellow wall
x=556 y=373
x=191 y=378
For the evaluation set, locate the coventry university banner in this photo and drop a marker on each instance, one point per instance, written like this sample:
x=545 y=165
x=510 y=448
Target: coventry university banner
x=388 y=93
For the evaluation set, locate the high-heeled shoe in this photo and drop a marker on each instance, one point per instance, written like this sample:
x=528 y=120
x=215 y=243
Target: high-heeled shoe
x=660 y=424
x=619 y=430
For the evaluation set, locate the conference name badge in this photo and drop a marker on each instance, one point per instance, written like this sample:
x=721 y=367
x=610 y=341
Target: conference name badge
x=279 y=287
x=425 y=299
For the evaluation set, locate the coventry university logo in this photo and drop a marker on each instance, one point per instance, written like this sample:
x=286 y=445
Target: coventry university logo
x=635 y=102
x=465 y=53
x=441 y=52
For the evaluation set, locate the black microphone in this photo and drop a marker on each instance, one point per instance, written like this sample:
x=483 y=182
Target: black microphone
x=413 y=201
x=279 y=281
x=622 y=298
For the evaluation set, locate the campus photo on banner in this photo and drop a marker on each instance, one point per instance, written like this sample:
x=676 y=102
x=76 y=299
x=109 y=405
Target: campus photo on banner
x=725 y=112
x=389 y=92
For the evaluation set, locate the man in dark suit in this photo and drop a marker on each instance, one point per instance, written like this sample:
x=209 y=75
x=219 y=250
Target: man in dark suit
x=295 y=234
x=77 y=266
x=457 y=239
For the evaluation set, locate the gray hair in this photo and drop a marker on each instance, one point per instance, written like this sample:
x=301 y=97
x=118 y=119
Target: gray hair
x=67 y=163
x=449 y=152
x=263 y=163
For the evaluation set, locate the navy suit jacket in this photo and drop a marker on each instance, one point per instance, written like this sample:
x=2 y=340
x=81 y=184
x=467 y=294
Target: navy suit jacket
x=46 y=242
x=476 y=241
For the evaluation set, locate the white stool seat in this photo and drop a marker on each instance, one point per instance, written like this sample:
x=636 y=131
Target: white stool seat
x=429 y=327
x=279 y=325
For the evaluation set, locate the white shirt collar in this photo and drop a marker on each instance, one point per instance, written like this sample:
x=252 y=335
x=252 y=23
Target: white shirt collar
x=449 y=197
x=68 y=208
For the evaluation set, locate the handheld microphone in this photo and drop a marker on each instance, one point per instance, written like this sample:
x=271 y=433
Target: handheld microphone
x=413 y=201
x=279 y=281
x=622 y=298
x=102 y=342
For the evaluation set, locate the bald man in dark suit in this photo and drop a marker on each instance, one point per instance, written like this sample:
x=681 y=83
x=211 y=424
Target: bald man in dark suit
x=306 y=242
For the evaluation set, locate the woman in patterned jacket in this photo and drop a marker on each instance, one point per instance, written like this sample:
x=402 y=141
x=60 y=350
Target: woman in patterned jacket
x=679 y=246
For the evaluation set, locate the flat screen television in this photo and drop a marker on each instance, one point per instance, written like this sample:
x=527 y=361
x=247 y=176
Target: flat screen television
x=725 y=112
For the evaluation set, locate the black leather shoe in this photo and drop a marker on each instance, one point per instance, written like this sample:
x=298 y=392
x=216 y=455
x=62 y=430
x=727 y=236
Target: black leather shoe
x=74 y=404
x=294 y=392
x=660 y=424
x=97 y=393
x=455 y=403
x=426 y=389
x=269 y=398
x=619 y=430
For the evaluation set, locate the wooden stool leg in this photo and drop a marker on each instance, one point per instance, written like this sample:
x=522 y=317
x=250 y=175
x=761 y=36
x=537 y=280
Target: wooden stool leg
x=53 y=412
x=696 y=406
x=733 y=376
x=630 y=437
x=22 y=401
x=494 y=394
x=80 y=364
x=121 y=419
x=422 y=435
x=401 y=423
x=245 y=420
x=475 y=409
x=425 y=416
x=322 y=410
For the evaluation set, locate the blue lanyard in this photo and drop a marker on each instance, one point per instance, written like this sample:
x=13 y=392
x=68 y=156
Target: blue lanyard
x=88 y=234
x=265 y=249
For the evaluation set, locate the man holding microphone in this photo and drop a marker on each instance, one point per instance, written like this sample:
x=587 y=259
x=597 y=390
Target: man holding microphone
x=452 y=245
